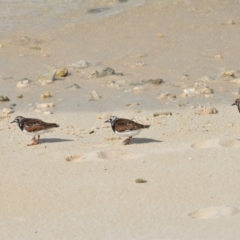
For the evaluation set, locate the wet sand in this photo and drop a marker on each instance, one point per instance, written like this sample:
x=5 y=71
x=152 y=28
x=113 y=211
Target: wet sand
x=80 y=182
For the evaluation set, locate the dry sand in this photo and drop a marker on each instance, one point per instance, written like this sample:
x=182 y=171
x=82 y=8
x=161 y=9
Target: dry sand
x=77 y=185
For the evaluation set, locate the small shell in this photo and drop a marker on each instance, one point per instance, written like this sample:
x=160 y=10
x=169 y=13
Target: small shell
x=62 y=72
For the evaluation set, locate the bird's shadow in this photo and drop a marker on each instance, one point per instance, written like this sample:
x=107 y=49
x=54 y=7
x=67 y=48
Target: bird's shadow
x=54 y=140
x=144 y=140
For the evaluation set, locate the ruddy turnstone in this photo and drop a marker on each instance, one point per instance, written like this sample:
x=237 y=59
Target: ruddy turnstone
x=237 y=102
x=126 y=127
x=34 y=127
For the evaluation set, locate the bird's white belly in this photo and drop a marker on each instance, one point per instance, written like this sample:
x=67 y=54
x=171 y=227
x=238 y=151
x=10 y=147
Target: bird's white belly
x=33 y=134
x=128 y=133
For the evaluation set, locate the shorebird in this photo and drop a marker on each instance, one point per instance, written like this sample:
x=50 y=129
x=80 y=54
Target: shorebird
x=34 y=127
x=126 y=128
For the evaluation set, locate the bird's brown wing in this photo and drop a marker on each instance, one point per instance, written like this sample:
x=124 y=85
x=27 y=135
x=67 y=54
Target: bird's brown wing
x=34 y=125
x=122 y=125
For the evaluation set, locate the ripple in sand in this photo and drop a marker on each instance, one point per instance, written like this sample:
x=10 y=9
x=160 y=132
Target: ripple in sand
x=214 y=212
x=212 y=143
x=115 y=155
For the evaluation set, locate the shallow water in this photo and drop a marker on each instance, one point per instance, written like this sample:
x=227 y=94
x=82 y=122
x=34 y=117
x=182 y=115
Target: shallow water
x=25 y=17
x=39 y=15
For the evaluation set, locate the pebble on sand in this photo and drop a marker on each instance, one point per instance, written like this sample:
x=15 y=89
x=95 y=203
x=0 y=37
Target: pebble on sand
x=231 y=22
x=105 y=72
x=156 y=114
x=132 y=104
x=113 y=84
x=206 y=79
x=23 y=83
x=160 y=35
x=95 y=95
x=206 y=110
x=4 y=99
x=7 y=111
x=84 y=64
x=202 y=89
x=47 y=78
x=156 y=81
x=80 y=64
x=113 y=138
x=218 y=56
x=44 y=105
x=46 y=95
x=166 y=95
x=140 y=180
x=228 y=74
x=139 y=64
x=76 y=86
x=199 y=89
x=138 y=88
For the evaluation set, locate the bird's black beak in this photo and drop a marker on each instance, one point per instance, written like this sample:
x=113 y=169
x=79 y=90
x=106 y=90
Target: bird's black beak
x=107 y=121
x=13 y=121
x=234 y=104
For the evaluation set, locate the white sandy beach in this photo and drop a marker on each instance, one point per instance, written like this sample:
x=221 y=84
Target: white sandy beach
x=80 y=182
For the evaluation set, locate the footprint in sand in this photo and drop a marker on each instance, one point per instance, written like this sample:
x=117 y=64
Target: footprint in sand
x=74 y=158
x=214 y=212
x=115 y=155
x=229 y=142
x=212 y=143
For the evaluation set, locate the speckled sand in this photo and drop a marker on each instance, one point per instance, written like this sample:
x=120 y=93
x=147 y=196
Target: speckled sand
x=79 y=183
